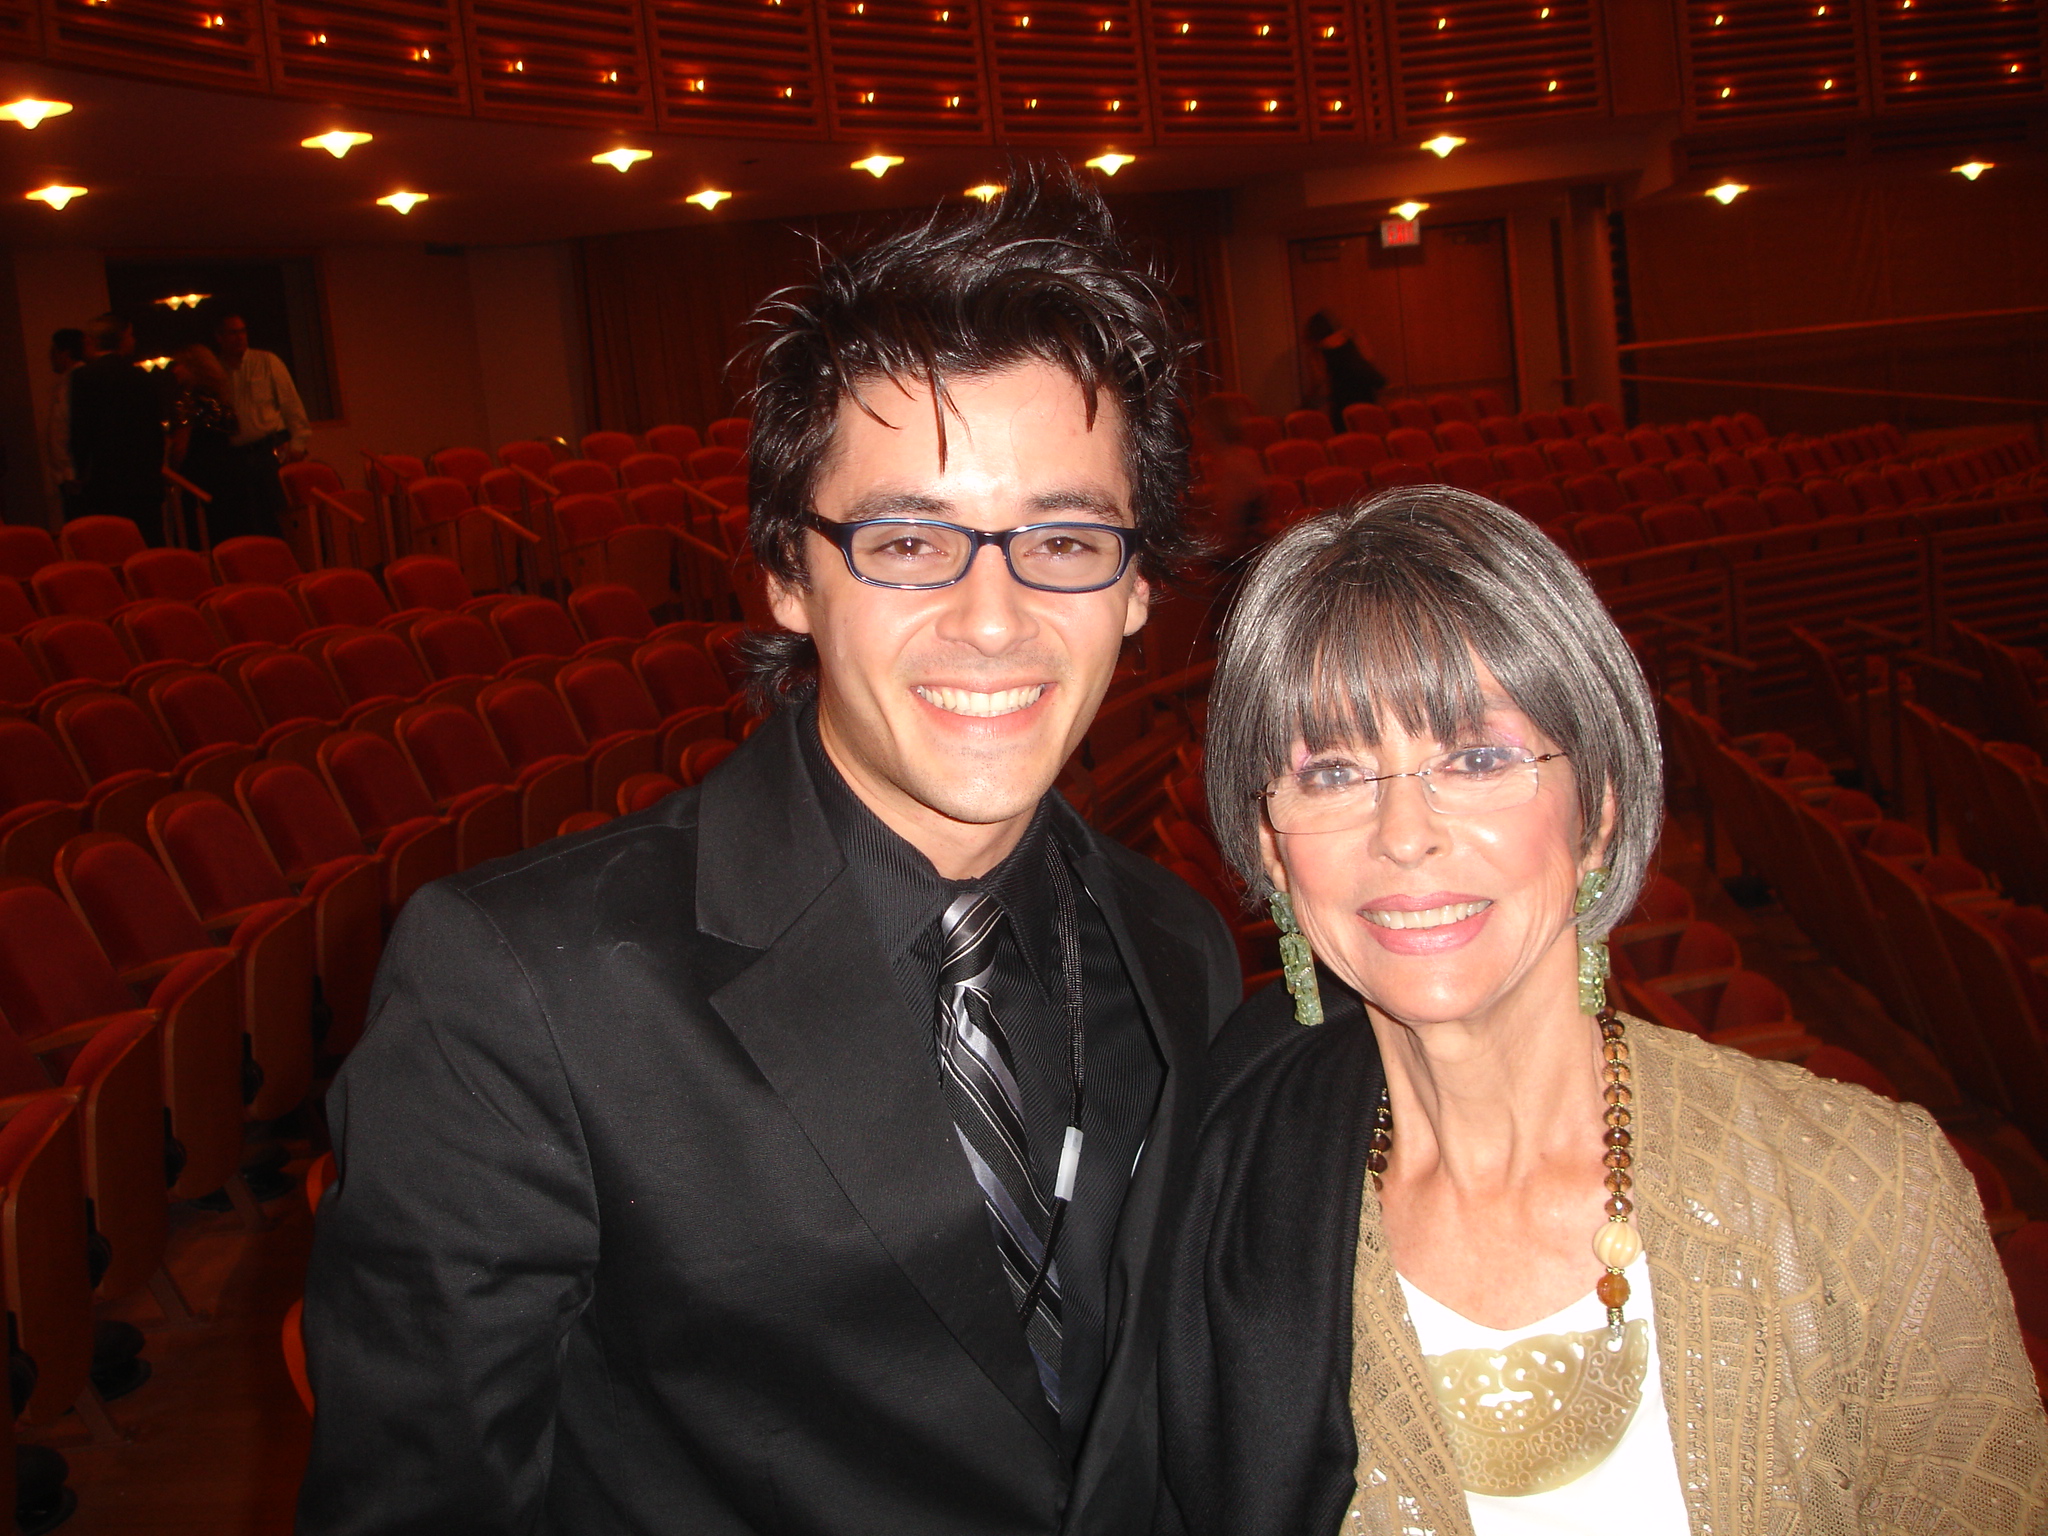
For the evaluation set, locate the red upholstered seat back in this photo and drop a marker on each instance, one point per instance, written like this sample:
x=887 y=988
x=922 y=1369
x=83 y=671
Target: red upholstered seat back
x=680 y=676
x=132 y=905
x=344 y=596
x=372 y=663
x=256 y=557
x=427 y=581
x=171 y=631
x=678 y=442
x=24 y=550
x=83 y=587
x=215 y=854
x=297 y=816
x=108 y=540
x=469 y=465
x=451 y=750
x=612 y=448
x=33 y=767
x=200 y=708
x=529 y=721
x=72 y=647
x=373 y=781
x=257 y=611
x=533 y=626
x=108 y=733
x=649 y=469
x=288 y=686
x=608 y=611
x=574 y=477
x=52 y=970
x=604 y=697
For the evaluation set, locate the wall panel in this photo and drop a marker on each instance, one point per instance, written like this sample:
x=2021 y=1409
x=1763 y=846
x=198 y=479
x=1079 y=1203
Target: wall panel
x=378 y=53
x=738 y=68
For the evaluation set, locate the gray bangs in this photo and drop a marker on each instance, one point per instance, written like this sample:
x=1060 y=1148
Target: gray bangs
x=1376 y=611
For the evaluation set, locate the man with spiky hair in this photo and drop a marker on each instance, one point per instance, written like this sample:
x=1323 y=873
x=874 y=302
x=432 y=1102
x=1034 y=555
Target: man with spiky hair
x=800 y=1154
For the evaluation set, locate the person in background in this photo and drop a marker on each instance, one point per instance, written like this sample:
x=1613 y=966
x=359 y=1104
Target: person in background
x=202 y=430
x=117 y=432
x=1469 y=1251
x=67 y=350
x=270 y=423
x=1343 y=374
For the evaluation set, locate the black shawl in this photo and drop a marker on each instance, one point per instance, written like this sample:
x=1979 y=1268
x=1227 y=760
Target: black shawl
x=1255 y=1369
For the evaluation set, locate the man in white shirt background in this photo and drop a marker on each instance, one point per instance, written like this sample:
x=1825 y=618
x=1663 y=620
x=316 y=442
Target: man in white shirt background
x=270 y=422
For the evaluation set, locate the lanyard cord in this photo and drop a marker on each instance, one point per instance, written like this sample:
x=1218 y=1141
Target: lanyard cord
x=1070 y=1150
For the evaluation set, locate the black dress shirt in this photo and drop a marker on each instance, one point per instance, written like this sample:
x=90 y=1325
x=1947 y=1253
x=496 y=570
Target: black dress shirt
x=1122 y=1069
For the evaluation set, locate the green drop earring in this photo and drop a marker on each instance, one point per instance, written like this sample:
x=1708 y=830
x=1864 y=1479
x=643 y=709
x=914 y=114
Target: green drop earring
x=1297 y=963
x=1594 y=967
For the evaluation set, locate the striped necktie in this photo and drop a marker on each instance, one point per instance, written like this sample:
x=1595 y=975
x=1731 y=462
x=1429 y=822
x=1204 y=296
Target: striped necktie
x=988 y=1117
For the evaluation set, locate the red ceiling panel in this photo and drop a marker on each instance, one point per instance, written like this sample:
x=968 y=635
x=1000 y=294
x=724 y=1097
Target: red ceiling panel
x=905 y=69
x=1346 y=74
x=1464 y=61
x=219 y=44
x=1070 y=70
x=564 y=61
x=1228 y=69
x=382 y=53
x=737 y=66
x=20 y=29
x=1768 y=59
x=1959 y=52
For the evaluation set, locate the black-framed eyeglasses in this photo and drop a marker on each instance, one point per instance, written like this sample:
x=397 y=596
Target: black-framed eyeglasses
x=1334 y=794
x=916 y=554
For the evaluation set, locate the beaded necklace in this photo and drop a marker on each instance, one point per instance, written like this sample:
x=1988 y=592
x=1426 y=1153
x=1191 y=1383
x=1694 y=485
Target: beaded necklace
x=1549 y=1408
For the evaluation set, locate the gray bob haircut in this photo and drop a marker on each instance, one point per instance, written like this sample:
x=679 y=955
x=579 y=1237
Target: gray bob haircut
x=1377 y=608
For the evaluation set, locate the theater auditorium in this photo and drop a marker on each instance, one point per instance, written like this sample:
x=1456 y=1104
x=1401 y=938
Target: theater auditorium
x=375 y=498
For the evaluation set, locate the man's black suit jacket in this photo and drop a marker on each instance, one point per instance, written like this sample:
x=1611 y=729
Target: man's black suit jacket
x=651 y=1217
x=117 y=436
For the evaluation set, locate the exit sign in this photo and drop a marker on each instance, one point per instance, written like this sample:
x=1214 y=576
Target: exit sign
x=1395 y=232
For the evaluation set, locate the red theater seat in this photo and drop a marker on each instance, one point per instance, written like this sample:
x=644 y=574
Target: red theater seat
x=256 y=612
x=1313 y=426
x=344 y=596
x=678 y=442
x=24 y=550
x=1412 y=444
x=455 y=755
x=1360 y=416
x=609 y=448
x=1360 y=450
x=1294 y=457
x=1568 y=456
x=168 y=631
x=1457 y=435
x=730 y=432
x=649 y=469
x=106 y=540
x=533 y=457
x=256 y=557
x=70 y=648
x=16 y=611
x=469 y=465
x=84 y=588
x=576 y=477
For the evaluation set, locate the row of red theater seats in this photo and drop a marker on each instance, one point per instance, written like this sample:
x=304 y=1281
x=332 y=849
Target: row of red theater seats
x=1785 y=459
x=1947 y=955
x=610 y=461
x=116 y=544
x=1483 y=408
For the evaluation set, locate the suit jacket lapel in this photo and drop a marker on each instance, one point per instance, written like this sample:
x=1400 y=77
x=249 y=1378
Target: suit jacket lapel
x=820 y=1015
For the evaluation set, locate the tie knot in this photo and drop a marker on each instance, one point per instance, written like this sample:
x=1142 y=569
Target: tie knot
x=968 y=934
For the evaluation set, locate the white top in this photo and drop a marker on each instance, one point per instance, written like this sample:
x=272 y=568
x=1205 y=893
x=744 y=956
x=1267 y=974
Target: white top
x=1635 y=1489
x=266 y=400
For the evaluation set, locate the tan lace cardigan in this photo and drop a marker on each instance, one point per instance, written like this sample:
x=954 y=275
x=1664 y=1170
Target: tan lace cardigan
x=1837 y=1344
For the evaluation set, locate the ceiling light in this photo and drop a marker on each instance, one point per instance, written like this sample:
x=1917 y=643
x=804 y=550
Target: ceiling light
x=708 y=199
x=1410 y=210
x=337 y=142
x=1442 y=144
x=184 y=300
x=28 y=111
x=56 y=197
x=1110 y=164
x=404 y=202
x=622 y=160
x=877 y=166
x=1970 y=170
x=1727 y=192
x=988 y=191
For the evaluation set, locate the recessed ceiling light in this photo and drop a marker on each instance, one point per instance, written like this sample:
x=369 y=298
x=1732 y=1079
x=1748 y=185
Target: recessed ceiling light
x=184 y=300
x=1110 y=164
x=28 y=111
x=404 y=202
x=56 y=197
x=1442 y=144
x=1727 y=192
x=1410 y=210
x=337 y=142
x=622 y=160
x=1970 y=170
x=708 y=199
x=878 y=166
x=988 y=191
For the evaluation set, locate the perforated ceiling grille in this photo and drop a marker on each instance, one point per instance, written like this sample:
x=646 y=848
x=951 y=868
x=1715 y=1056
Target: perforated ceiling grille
x=1463 y=61
x=396 y=53
x=1958 y=52
x=1749 y=59
x=749 y=67
x=1228 y=69
x=1340 y=45
x=1070 y=71
x=537 y=59
x=220 y=45
x=905 y=69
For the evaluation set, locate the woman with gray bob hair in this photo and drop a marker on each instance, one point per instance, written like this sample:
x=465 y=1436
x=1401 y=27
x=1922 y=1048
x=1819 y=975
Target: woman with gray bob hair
x=1467 y=1250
